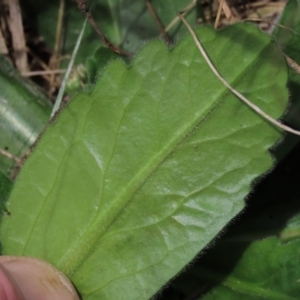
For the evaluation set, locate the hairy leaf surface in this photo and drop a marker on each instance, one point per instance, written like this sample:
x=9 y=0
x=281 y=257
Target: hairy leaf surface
x=139 y=175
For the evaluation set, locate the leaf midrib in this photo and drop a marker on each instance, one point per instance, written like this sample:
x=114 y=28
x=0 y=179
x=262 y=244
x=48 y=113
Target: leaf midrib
x=85 y=244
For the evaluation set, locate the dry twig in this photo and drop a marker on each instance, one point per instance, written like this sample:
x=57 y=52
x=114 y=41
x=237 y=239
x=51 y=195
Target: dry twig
x=186 y=10
x=17 y=33
x=10 y=156
x=292 y=64
x=272 y=23
x=220 y=8
x=158 y=22
x=83 y=7
x=227 y=11
x=43 y=72
x=54 y=60
x=235 y=92
x=3 y=47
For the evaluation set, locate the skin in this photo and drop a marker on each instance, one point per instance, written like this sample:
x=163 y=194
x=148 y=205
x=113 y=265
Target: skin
x=25 y=278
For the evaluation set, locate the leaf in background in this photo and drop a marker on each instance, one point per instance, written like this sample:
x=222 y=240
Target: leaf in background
x=126 y=22
x=287 y=39
x=24 y=111
x=42 y=15
x=289 y=42
x=267 y=269
x=136 y=177
x=138 y=25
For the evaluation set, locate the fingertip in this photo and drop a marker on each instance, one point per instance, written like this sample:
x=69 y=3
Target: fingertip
x=35 y=279
x=8 y=288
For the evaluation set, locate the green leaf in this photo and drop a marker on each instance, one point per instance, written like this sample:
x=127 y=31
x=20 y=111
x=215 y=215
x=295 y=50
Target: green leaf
x=139 y=175
x=289 y=42
x=125 y=23
x=267 y=270
x=138 y=25
x=43 y=15
x=24 y=111
x=287 y=39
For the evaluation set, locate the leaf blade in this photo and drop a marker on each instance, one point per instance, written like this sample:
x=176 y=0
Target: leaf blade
x=140 y=144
